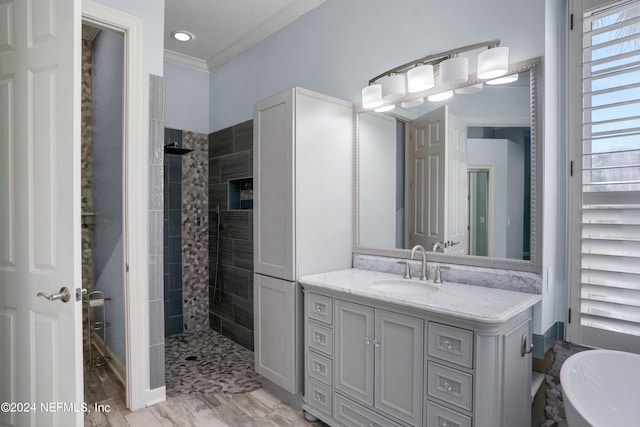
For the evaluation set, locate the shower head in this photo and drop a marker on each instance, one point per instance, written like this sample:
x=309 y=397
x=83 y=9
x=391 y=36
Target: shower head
x=174 y=149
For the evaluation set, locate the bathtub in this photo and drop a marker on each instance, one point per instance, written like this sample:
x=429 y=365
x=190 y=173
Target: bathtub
x=601 y=388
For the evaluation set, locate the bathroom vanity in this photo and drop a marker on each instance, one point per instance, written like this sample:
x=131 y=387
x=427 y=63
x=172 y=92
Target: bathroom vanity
x=381 y=350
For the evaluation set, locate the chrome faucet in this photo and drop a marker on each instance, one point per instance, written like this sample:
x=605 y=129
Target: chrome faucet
x=423 y=267
x=436 y=246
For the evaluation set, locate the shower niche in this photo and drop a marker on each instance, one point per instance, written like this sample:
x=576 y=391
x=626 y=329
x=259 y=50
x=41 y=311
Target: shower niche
x=241 y=193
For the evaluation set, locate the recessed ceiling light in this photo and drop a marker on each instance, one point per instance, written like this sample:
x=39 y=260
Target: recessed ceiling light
x=181 y=36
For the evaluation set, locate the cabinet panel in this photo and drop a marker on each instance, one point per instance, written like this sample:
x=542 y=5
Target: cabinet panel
x=320 y=308
x=320 y=368
x=320 y=338
x=450 y=385
x=275 y=345
x=452 y=344
x=353 y=415
x=354 y=350
x=399 y=365
x=439 y=416
x=320 y=397
x=517 y=376
x=273 y=191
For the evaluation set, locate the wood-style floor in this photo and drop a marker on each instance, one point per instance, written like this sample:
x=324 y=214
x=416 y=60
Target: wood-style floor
x=105 y=398
x=254 y=409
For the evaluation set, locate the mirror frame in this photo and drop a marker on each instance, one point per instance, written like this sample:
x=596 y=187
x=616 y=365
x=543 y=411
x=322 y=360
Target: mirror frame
x=536 y=103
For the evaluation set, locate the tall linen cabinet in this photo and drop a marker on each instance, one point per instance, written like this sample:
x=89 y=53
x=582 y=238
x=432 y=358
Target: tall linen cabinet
x=303 y=172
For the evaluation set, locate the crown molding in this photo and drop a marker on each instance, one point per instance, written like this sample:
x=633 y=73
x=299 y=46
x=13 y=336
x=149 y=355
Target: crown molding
x=274 y=23
x=185 y=60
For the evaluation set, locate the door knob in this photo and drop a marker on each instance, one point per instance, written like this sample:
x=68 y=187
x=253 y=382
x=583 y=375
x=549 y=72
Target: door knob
x=64 y=295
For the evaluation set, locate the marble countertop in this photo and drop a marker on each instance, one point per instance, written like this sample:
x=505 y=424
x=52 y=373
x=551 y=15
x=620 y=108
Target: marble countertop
x=475 y=303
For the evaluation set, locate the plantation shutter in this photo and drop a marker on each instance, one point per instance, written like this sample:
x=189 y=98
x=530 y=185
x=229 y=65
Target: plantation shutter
x=610 y=214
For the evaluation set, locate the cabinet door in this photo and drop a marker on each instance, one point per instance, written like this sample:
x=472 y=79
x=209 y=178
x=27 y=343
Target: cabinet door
x=517 y=377
x=399 y=365
x=273 y=189
x=354 y=350
x=275 y=332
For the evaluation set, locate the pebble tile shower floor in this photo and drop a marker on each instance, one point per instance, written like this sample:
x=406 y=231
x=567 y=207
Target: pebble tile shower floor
x=207 y=362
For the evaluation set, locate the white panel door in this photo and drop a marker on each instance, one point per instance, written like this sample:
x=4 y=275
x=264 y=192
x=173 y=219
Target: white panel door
x=427 y=179
x=398 y=362
x=456 y=204
x=273 y=173
x=40 y=340
x=274 y=303
x=354 y=345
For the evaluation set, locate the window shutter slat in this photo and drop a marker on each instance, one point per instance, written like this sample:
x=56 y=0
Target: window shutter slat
x=610 y=216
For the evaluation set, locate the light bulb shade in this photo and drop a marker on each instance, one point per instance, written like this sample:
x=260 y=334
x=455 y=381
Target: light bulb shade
x=493 y=63
x=454 y=70
x=440 y=96
x=503 y=80
x=372 y=96
x=385 y=108
x=420 y=78
x=468 y=90
x=412 y=103
x=394 y=87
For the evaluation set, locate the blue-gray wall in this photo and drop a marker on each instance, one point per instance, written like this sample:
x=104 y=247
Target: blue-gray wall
x=336 y=48
x=108 y=51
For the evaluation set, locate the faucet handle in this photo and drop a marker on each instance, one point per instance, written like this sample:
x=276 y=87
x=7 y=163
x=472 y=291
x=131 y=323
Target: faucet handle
x=438 y=277
x=407 y=271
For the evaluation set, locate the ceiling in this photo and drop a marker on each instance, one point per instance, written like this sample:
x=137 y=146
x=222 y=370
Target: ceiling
x=222 y=29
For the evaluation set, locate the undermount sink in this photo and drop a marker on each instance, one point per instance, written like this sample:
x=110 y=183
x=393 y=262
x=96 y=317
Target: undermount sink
x=402 y=286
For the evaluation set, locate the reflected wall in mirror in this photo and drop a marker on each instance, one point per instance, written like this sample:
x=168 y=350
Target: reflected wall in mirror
x=456 y=177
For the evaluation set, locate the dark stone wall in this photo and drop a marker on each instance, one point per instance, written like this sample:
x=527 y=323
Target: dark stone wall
x=231 y=302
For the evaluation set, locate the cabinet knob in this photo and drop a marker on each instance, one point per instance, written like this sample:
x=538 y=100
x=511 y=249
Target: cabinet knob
x=376 y=343
x=367 y=340
x=448 y=345
x=447 y=386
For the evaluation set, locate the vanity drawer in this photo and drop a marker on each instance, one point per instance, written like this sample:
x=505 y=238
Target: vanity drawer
x=439 y=416
x=450 y=385
x=319 y=367
x=320 y=338
x=351 y=414
x=320 y=308
x=452 y=344
x=320 y=397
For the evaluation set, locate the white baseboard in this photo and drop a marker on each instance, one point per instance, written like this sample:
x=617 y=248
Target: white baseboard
x=156 y=395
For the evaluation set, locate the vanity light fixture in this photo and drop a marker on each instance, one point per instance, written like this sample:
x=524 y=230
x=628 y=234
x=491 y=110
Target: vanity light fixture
x=454 y=70
x=504 y=80
x=420 y=78
x=493 y=62
x=468 y=90
x=181 y=36
x=385 y=108
x=442 y=96
x=372 y=96
x=419 y=75
x=394 y=87
x=412 y=103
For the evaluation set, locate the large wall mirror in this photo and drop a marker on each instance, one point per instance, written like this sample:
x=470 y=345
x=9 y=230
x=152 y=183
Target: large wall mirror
x=459 y=177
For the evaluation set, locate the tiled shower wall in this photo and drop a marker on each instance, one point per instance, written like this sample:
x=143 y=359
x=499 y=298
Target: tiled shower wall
x=231 y=305
x=186 y=244
x=86 y=160
x=156 y=232
x=173 y=313
x=195 y=229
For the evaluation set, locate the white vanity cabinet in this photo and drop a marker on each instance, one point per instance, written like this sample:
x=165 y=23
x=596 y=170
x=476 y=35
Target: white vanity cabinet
x=378 y=359
x=371 y=362
x=303 y=167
